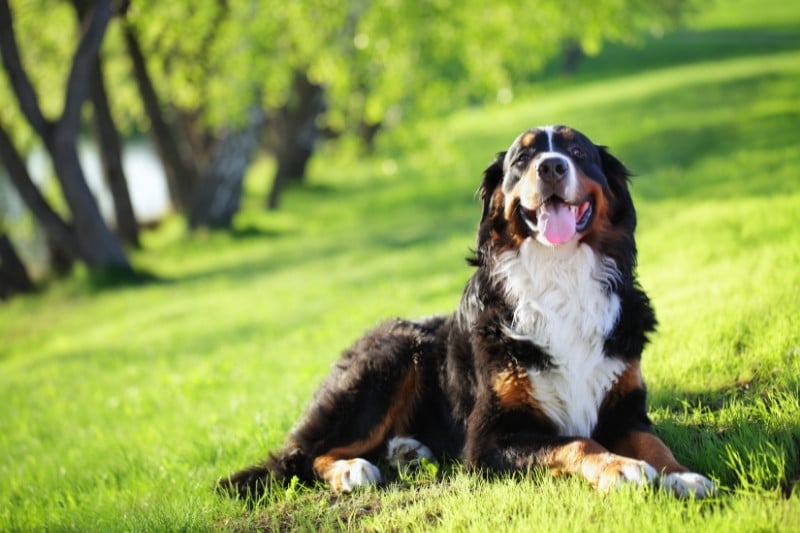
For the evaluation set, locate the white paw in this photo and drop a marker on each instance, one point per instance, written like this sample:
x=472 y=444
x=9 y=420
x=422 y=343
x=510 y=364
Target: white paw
x=688 y=485
x=402 y=452
x=617 y=471
x=638 y=473
x=347 y=474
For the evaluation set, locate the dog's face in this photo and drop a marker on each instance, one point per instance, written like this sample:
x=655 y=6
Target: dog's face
x=555 y=186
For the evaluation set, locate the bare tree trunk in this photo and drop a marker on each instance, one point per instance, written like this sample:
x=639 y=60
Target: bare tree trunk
x=56 y=229
x=109 y=144
x=572 y=56
x=111 y=157
x=13 y=276
x=181 y=173
x=295 y=134
x=218 y=196
x=97 y=245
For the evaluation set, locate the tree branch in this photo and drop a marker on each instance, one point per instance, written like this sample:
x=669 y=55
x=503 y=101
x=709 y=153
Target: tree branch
x=18 y=78
x=78 y=81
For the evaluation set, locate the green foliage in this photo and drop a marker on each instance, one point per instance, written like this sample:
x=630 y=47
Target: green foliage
x=379 y=62
x=46 y=45
x=121 y=408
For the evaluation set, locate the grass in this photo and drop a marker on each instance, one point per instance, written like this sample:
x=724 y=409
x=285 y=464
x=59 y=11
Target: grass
x=122 y=406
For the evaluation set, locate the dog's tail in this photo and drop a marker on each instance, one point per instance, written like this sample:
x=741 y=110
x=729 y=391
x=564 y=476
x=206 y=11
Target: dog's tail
x=277 y=471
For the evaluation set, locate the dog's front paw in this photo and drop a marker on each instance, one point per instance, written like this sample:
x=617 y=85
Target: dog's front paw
x=347 y=474
x=688 y=485
x=612 y=471
x=403 y=452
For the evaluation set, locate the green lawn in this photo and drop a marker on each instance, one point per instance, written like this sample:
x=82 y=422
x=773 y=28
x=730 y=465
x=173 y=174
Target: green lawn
x=121 y=407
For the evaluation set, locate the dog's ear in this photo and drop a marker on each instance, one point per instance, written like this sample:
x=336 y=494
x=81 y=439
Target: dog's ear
x=616 y=173
x=492 y=177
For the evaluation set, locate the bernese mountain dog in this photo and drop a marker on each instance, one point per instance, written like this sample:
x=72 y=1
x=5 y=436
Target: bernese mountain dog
x=538 y=366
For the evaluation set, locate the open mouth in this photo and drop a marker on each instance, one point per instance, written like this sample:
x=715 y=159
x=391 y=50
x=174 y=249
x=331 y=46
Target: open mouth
x=557 y=221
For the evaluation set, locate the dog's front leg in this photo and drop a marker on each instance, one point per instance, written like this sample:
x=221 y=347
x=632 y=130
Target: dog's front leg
x=602 y=468
x=561 y=455
x=674 y=476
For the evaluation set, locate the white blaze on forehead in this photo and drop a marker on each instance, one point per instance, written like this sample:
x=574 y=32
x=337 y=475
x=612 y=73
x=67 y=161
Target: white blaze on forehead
x=549 y=130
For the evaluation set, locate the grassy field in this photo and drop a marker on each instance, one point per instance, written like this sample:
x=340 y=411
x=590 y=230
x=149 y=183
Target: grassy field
x=121 y=407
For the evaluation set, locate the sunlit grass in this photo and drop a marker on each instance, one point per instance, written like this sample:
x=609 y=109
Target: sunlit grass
x=121 y=407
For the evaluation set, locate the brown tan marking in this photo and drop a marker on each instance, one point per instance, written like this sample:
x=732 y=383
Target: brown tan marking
x=515 y=230
x=601 y=230
x=396 y=420
x=514 y=390
x=567 y=133
x=640 y=444
x=527 y=139
x=649 y=448
x=627 y=382
x=589 y=459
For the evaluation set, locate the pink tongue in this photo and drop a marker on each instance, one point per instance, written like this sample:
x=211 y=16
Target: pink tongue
x=557 y=223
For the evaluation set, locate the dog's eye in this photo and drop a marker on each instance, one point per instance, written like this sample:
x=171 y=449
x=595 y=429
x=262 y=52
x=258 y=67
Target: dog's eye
x=578 y=152
x=522 y=158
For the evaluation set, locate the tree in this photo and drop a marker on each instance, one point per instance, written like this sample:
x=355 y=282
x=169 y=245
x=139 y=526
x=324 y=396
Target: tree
x=205 y=161
x=317 y=69
x=110 y=145
x=295 y=132
x=216 y=200
x=179 y=168
x=88 y=237
x=13 y=276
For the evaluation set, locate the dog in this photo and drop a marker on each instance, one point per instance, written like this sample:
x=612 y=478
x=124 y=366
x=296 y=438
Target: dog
x=539 y=366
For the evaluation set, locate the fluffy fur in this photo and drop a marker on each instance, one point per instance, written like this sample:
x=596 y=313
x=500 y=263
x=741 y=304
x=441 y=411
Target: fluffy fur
x=538 y=366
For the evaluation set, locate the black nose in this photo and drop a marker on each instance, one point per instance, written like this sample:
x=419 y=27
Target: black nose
x=552 y=169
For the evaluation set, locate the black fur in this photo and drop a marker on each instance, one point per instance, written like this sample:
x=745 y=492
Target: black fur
x=451 y=362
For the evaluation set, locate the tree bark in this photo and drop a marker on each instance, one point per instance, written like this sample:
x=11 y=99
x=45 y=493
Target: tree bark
x=217 y=198
x=13 y=276
x=181 y=173
x=111 y=157
x=295 y=134
x=110 y=146
x=56 y=229
x=97 y=245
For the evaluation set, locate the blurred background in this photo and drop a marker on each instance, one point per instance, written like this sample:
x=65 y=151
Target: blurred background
x=118 y=115
x=205 y=201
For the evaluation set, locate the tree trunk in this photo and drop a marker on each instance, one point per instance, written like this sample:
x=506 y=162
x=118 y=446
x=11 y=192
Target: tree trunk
x=111 y=157
x=295 y=134
x=109 y=144
x=97 y=245
x=56 y=229
x=572 y=56
x=368 y=132
x=218 y=196
x=13 y=276
x=181 y=173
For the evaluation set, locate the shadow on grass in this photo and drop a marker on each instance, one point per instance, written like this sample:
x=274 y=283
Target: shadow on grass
x=685 y=47
x=747 y=435
x=113 y=277
x=252 y=231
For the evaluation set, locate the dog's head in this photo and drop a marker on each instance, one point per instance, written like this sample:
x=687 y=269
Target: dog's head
x=555 y=186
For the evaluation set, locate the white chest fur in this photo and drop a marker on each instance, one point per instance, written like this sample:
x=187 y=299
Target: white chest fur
x=562 y=303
